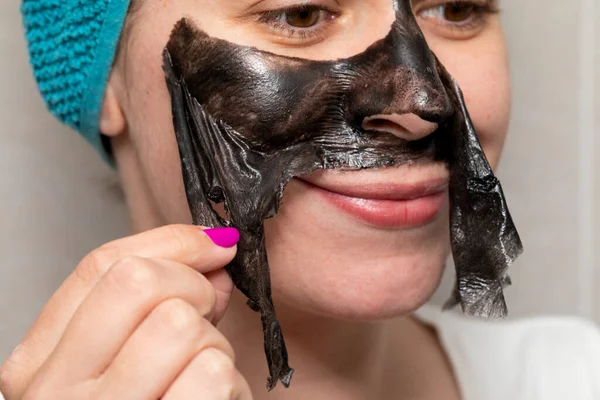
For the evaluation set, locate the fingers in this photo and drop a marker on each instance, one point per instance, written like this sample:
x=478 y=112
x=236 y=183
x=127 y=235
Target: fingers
x=184 y=244
x=122 y=299
x=211 y=375
x=159 y=350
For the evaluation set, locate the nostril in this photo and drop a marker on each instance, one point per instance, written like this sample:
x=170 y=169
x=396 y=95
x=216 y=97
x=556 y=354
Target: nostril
x=383 y=125
x=405 y=126
x=376 y=124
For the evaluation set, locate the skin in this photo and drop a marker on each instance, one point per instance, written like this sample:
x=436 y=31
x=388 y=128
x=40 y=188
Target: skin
x=348 y=326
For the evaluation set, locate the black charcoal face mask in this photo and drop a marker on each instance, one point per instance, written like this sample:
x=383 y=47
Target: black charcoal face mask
x=248 y=121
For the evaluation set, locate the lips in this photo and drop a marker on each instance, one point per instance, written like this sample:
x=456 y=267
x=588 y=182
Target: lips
x=414 y=201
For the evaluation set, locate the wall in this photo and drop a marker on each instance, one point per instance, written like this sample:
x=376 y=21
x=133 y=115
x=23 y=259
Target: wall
x=58 y=201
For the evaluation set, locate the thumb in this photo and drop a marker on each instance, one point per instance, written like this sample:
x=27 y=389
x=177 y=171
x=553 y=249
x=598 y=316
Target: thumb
x=223 y=288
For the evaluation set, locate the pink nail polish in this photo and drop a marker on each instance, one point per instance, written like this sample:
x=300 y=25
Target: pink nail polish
x=223 y=237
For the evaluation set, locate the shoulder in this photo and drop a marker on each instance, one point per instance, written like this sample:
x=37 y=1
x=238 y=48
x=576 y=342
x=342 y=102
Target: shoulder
x=543 y=358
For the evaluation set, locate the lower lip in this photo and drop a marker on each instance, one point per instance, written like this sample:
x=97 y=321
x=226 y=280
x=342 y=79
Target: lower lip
x=411 y=213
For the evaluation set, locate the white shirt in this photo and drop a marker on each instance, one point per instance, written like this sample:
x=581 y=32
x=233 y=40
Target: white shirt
x=529 y=359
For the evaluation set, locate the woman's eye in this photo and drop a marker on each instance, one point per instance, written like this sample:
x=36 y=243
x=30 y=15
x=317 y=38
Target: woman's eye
x=466 y=15
x=458 y=12
x=298 y=22
x=303 y=18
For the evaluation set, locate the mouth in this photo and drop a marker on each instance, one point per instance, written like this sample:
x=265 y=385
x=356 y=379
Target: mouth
x=412 y=202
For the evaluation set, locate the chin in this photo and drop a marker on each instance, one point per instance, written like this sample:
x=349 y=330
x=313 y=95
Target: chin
x=333 y=267
x=387 y=290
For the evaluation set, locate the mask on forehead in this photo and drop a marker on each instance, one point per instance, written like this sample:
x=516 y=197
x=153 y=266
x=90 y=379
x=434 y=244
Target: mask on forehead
x=248 y=121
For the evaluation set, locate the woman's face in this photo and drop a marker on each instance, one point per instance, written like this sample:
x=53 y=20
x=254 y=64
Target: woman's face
x=324 y=258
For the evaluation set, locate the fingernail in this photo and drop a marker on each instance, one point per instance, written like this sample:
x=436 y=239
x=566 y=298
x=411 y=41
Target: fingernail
x=223 y=237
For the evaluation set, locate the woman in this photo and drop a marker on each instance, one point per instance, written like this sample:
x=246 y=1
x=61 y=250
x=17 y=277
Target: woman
x=136 y=319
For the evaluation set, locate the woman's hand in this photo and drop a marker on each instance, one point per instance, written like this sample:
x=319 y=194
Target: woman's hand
x=135 y=320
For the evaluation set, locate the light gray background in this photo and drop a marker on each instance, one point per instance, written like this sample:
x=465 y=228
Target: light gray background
x=58 y=201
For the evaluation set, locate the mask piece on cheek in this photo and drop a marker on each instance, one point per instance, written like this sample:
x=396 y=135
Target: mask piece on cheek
x=248 y=121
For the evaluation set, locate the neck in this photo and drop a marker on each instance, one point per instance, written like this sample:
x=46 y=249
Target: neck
x=338 y=360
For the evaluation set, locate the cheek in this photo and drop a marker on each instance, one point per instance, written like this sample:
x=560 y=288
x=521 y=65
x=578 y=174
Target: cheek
x=480 y=68
x=148 y=109
x=154 y=141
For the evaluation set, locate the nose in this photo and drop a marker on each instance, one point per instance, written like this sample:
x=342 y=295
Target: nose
x=405 y=126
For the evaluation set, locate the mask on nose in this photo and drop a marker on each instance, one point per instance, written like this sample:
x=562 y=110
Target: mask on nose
x=248 y=121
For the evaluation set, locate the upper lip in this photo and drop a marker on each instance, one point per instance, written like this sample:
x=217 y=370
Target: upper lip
x=408 y=185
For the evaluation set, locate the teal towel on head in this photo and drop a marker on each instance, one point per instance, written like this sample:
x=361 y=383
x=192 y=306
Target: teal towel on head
x=72 y=45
